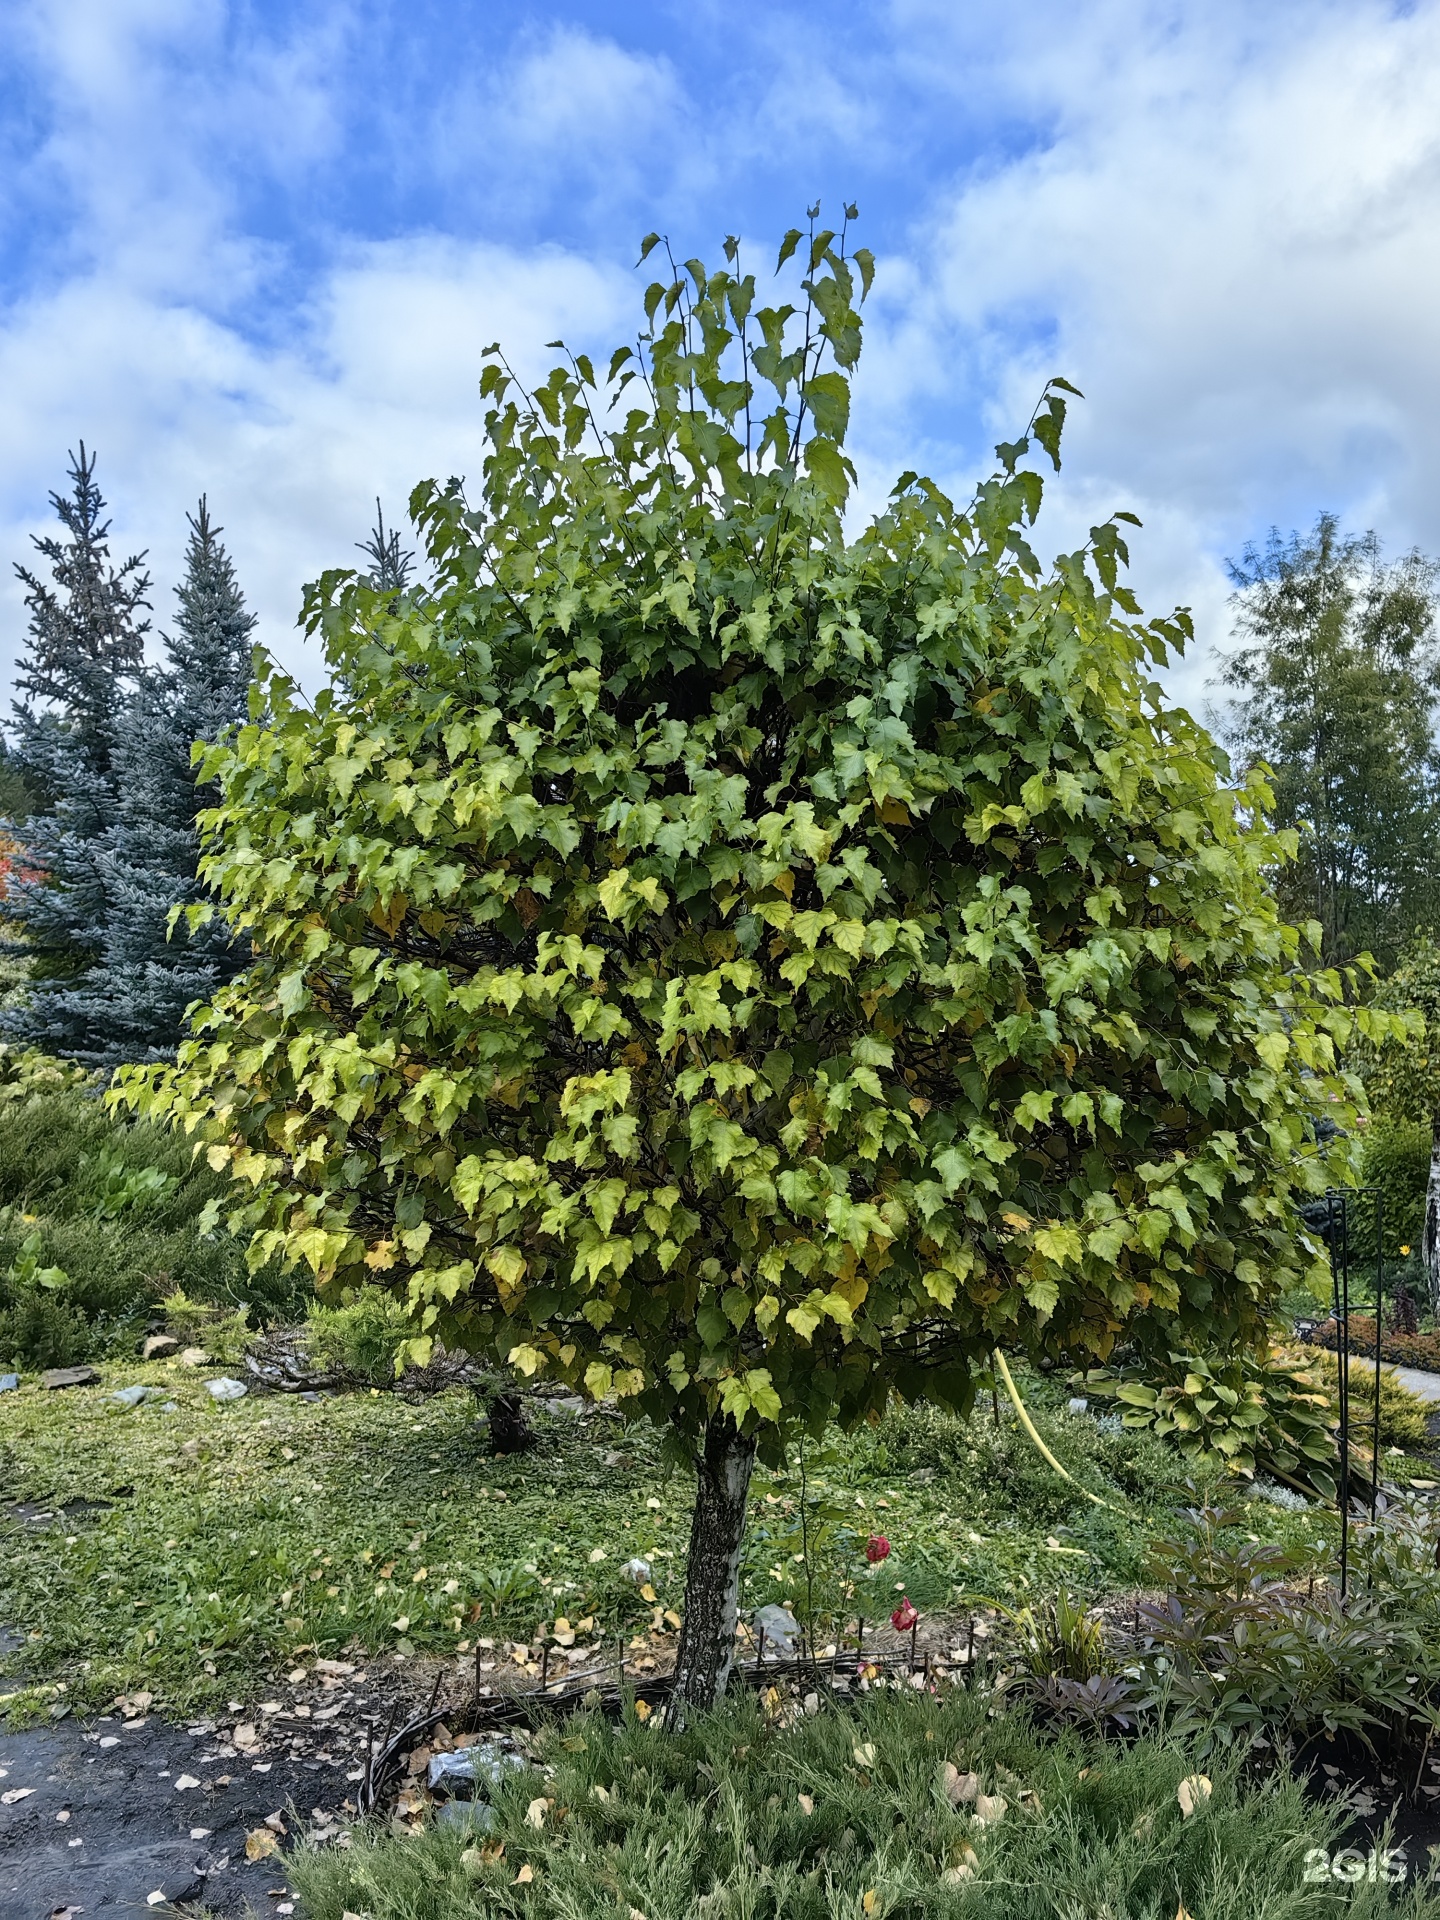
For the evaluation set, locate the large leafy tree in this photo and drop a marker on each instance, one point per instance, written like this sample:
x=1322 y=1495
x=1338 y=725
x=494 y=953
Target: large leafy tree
x=745 y=970
x=1336 y=683
x=83 y=654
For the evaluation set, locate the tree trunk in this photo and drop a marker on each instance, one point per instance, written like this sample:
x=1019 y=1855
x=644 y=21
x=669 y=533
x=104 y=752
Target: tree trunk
x=1430 y=1238
x=509 y=1429
x=712 y=1573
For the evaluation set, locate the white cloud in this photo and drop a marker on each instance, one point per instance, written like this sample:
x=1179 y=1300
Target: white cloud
x=1229 y=240
x=1221 y=222
x=291 y=444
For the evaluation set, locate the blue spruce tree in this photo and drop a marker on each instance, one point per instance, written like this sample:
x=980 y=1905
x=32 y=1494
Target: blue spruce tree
x=83 y=654
x=133 y=1002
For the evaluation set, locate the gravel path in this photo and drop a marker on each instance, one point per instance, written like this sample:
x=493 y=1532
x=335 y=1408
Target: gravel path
x=1427 y=1385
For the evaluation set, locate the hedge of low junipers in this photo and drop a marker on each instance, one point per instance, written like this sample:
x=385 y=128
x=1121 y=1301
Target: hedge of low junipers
x=1420 y=1350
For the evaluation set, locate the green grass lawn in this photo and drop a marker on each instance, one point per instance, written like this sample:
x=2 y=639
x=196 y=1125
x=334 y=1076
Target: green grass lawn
x=240 y=1537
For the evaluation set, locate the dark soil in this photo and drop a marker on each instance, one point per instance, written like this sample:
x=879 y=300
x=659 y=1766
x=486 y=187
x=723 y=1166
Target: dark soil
x=106 y=1827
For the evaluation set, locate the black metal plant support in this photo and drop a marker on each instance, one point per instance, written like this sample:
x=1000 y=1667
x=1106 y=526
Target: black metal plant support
x=1336 y=1230
x=1337 y=1235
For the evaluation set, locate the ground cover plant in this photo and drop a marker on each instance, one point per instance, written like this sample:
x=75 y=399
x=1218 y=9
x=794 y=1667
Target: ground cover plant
x=747 y=971
x=864 y=1814
x=234 y=1540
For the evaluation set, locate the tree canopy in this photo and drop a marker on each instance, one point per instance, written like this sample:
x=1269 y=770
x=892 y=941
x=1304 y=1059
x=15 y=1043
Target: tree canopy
x=745 y=969
x=1337 y=680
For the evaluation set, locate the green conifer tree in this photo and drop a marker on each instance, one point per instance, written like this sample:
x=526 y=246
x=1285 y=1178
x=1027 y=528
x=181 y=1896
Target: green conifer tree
x=152 y=961
x=83 y=653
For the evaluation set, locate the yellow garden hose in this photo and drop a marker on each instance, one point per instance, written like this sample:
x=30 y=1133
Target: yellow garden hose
x=1029 y=1426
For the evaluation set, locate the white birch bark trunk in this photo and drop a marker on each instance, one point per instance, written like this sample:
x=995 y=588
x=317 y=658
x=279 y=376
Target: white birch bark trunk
x=1430 y=1238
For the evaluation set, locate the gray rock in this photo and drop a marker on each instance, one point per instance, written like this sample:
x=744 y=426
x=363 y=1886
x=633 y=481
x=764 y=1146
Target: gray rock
x=570 y=1403
x=70 y=1377
x=638 y=1570
x=133 y=1396
x=477 y=1816
x=779 y=1626
x=223 y=1390
x=9 y=1382
x=1078 y=1405
x=478 y=1767
x=158 y=1343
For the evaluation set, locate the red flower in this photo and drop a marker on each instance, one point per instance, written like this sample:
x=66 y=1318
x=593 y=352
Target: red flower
x=904 y=1616
x=877 y=1548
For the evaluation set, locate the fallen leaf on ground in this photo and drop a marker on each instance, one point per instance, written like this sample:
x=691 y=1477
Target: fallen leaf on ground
x=185 y=1782
x=15 y=1793
x=535 y=1813
x=807 y=1805
x=960 y=1788
x=260 y=1843
x=865 y=1756
x=990 y=1809
x=1193 y=1792
x=245 y=1737
x=276 y=1822
x=643 y=1710
x=525 y=1876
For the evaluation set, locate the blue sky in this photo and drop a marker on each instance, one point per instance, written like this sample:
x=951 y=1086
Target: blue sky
x=256 y=249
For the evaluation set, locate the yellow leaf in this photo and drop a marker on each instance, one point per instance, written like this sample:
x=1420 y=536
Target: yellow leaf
x=525 y=1875
x=642 y=1710
x=865 y=1755
x=535 y=1813
x=260 y=1843
x=647 y=1592
x=871 y=1901
x=807 y=1805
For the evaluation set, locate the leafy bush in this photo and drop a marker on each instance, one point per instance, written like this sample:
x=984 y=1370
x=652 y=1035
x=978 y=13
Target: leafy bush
x=1397 y=1161
x=1237 y=1649
x=1241 y=1412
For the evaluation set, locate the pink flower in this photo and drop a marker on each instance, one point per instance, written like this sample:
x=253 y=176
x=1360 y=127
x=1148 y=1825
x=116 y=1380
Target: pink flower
x=877 y=1548
x=904 y=1616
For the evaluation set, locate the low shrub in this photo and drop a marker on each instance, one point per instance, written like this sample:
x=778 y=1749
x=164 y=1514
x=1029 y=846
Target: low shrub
x=1421 y=1350
x=1238 y=1649
x=360 y=1338
x=116 y=1206
x=854 y=1814
x=1404 y=1416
